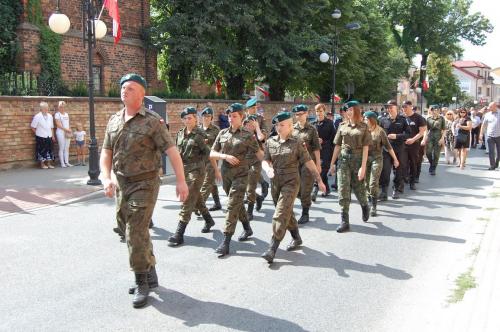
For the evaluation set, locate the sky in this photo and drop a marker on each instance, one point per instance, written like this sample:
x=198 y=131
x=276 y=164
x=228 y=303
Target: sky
x=489 y=54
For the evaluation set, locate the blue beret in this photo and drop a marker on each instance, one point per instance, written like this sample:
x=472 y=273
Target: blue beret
x=352 y=103
x=281 y=116
x=188 y=110
x=236 y=107
x=207 y=111
x=299 y=108
x=251 y=102
x=370 y=114
x=133 y=77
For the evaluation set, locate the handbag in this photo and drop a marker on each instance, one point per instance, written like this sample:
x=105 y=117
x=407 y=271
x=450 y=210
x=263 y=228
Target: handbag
x=462 y=138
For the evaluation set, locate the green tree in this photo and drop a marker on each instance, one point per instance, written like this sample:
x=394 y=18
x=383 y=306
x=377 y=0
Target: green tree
x=10 y=11
x=444 y=84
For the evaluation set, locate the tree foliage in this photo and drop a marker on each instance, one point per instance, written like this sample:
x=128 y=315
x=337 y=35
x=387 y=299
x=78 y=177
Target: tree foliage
x=444 y=85
x=10 y=11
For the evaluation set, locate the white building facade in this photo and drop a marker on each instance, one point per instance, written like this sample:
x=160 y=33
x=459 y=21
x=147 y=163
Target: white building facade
x=475 y=79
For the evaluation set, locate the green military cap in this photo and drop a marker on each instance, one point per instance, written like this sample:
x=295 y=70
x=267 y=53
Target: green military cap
x=434 y=107
x=207 y=111
x=299 y=108
x=370 y=114
x=251 y=102
x=352 y=103
x=236 y=107
x=251 y=117
x=343 y=108
x=281 y=116
x=133 y=77
x=188 y=110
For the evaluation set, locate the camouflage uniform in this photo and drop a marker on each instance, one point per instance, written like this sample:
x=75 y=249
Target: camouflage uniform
x=209 y=186
x=351 y=138
x=136 y=147
x=235 y=178
x=374 y=165
x=254 y=173
x=309 y=136
x=435 y=126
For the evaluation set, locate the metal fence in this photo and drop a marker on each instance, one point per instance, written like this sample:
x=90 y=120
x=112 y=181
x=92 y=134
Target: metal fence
x=18 y=84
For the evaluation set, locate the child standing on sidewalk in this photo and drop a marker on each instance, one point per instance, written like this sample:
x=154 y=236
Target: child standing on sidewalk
x=80 y=144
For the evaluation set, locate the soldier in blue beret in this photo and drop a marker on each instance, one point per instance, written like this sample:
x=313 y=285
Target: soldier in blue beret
x=284 y=153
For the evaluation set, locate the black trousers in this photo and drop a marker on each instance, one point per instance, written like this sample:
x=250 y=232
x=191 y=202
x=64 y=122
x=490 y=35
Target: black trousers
x=388 y=166
x=326 y=155
x=412 y=157
x=475 y=136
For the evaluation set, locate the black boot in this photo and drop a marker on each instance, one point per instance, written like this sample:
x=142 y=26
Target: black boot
x=373 y=212
x=209 y=222
x=296 y=240
x=141 y=291
x=178 y=237
x=120 y=233
x=250 y=211
x=413 y=186
x=223 y=248
x=151 y=225
x=152 y=280
x=344 y=224
x=383 y=194
x=366 y=212
x=395 y=193
x=314 y=193
x=265 y=188
x=217 y=205
x=258 y=202
x=271 y=252
x=247 y=231
x=304 y=218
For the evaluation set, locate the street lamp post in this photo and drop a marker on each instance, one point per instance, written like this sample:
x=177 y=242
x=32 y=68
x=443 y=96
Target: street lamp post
x=95 y=29
x=324 y=57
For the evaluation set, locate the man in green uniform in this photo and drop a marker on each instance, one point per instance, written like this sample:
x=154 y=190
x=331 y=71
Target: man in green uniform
x=284 y=154
x=133 y=142
x=194 y=152
x=434 y=137
x=209 y=185
x=233 y=145
x=351 y=144
x=309 y=136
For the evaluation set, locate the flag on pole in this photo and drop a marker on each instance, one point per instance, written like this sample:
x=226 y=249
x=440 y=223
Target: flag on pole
x=337 y=99
x=264 y=91
x=112 y=7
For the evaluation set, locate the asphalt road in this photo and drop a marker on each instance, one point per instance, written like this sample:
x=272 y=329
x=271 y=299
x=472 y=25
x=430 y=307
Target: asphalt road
x=64 y=269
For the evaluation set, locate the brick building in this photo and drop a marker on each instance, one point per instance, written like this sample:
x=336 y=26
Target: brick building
x=110 y=61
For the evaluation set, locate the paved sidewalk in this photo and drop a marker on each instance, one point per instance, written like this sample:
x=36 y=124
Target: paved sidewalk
x=23 y=190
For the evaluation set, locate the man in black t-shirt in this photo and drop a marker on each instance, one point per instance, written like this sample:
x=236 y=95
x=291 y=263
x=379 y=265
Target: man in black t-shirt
x=418 y=126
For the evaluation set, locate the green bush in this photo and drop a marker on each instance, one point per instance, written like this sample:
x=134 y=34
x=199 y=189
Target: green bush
x=113 y=90
x=80 y=89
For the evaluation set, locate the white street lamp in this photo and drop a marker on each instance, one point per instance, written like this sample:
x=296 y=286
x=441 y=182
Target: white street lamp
x=100 y=29
x=58 y=22
x=336 y=14
x=324 y=57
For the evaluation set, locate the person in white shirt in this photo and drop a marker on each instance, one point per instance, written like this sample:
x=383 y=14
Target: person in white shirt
x=80 y=144
x=42 y=126
x=476 y=127
x=63 y=133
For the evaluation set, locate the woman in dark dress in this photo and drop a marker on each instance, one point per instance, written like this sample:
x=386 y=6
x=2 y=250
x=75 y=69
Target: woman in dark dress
x=462 y=140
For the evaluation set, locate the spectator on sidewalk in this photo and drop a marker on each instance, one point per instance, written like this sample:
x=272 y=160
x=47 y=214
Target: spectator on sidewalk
x=63 y=133
x=462 y=140
x=223 y=120
x=80 y=144
x=476 y=127
x=42 y=126
x=491 y=131
x=449 y=139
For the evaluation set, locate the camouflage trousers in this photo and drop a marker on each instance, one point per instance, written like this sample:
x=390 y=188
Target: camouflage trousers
x=209 y=186
x=374 y=167
x=433 y=152
x=234 y=183
x=284 y=190
x=347 y=173
x=306 y=186
x=194 y=201
x=253 y=179
x=135 y=203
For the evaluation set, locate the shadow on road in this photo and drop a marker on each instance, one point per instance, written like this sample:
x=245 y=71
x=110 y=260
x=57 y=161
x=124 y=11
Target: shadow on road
x=196 y=312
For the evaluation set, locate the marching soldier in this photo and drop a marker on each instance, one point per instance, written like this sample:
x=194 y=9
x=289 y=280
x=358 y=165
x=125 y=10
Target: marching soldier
x=133 y=142
x=417 y=126
x=194 y=152
x=351 y=144
x=209 y=185
x=434 y=137
x=284 y=153
x=309 y=136
x=233 y=145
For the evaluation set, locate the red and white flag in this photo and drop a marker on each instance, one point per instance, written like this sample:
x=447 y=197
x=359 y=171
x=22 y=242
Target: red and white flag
x=264 y=91
x=112 y=7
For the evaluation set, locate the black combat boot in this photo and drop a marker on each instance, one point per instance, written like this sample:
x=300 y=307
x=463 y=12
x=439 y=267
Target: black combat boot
x=265 y=188
x=304 y=218
x=413 y=186
x=383 y=194
x=209 y=222
x=314 y=193
x=223 y=248
x=250 y=211
x=152 y=280
x=178 y=237
x=344 y=224
x=247 y=231
x=395 y=193
x=366 y=212
x=258 y=202
x=141 y=291
x=296 y=240
x=373 y=211
x=271 y=252
x=217 y=205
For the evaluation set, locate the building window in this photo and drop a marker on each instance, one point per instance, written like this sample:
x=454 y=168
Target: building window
x=487 y=92
x=97 y=77
x=479 y=90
